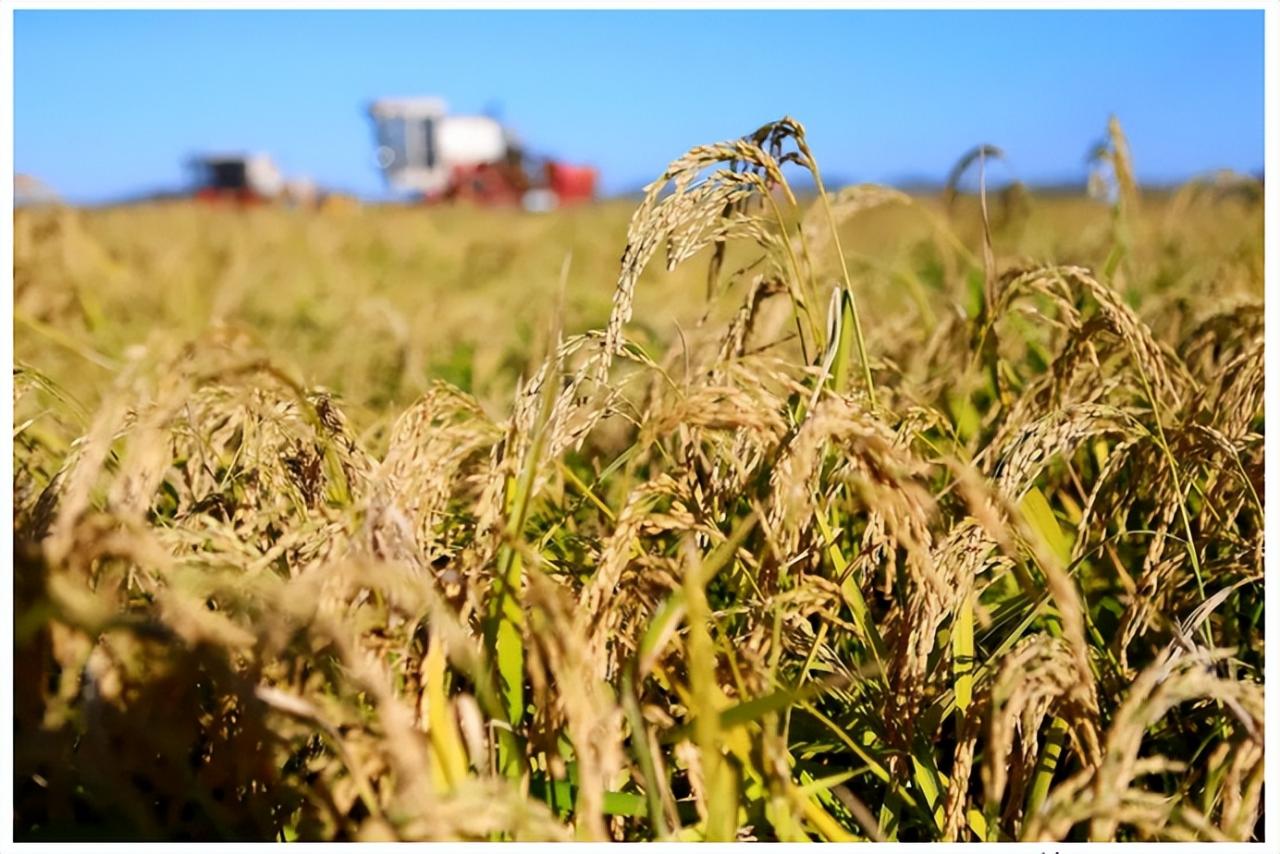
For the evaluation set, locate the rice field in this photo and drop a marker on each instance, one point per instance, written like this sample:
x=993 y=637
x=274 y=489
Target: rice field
x=734 y=512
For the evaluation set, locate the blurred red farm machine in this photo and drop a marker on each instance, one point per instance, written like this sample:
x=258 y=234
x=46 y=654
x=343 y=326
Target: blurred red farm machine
x=443 y=158
x=236 y=178
x=247 y=179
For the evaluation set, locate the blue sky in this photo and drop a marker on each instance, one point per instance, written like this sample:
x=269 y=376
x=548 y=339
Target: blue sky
x=111 y=103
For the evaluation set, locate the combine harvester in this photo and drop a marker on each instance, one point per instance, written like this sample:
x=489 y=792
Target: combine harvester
x=443 y=158
x=248 y=179
x=244 y=179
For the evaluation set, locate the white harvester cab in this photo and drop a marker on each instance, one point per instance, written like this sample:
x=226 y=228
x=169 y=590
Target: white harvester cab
x=420 y=145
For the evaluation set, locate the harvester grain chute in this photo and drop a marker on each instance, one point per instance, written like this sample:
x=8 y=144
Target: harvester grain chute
x=425 y=151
